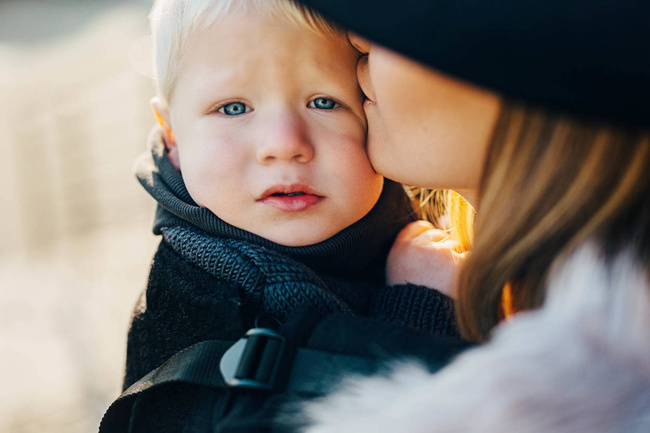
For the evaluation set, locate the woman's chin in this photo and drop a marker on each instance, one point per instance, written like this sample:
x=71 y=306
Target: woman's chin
x=382 y=156
x=388 y=157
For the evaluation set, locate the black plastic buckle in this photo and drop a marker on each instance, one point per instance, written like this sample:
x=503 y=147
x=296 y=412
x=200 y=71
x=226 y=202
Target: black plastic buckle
x=255 y=360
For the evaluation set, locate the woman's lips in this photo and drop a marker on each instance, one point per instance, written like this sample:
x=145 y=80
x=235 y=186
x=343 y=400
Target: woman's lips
x=290 y=198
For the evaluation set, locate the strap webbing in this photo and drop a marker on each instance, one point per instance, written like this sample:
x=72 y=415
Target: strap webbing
x=197 y=364
x=313 y=373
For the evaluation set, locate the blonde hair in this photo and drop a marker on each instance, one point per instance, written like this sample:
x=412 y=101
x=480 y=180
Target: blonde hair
x=549 y=183
x=446 y=210
x=174 y=21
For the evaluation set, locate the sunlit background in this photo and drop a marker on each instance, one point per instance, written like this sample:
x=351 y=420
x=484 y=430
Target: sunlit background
x=75 y=239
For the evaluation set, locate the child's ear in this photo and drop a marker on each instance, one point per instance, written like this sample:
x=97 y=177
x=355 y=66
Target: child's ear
x=162 y=116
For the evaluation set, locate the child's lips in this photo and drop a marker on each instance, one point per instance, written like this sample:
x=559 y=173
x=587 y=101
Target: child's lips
x=290 y=198
x=292 y=203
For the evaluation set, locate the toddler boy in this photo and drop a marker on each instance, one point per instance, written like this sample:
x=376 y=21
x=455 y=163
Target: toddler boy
x=266 y=197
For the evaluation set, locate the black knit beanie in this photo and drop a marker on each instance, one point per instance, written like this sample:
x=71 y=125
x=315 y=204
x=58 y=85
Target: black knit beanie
x=585 y=57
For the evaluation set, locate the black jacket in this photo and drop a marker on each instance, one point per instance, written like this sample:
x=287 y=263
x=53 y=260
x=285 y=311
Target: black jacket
x=212 y=281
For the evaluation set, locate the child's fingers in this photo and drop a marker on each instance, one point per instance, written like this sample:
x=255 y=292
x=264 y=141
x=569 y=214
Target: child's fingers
x=418 y=228
x=414 y=229
x=448 y=244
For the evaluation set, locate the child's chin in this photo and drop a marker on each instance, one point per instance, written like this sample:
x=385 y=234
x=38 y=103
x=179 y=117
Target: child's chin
x=298 y=237
x=300 y=241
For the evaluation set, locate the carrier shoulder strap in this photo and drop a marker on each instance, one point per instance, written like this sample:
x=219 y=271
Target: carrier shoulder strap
x=262 y=360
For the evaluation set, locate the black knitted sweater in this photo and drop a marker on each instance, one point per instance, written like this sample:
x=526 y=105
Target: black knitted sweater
x=211 y=280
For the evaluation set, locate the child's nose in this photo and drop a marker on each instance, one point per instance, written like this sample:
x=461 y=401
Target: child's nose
x=285 y=140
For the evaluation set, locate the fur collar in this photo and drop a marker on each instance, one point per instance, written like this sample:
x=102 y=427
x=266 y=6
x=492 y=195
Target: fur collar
x=579 y=364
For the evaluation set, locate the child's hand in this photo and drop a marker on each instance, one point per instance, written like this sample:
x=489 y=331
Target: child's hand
x=425 y=256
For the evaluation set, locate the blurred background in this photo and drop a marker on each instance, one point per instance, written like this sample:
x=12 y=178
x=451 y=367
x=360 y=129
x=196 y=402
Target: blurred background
x=75 y=238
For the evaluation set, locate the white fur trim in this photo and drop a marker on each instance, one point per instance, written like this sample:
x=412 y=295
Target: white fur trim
x=579 y=364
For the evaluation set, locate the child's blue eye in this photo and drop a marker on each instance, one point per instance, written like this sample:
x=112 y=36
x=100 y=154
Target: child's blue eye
x=234 y=109
x=323 y=104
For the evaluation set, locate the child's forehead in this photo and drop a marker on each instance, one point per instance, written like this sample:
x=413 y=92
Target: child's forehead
x=176 y=23
x=236 y=24
x=244 y=40
x=266 y=61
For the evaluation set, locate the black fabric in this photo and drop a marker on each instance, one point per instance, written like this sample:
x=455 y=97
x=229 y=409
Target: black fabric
x=181 y=306
x=184 y=304
x=415 y=307
x=587 y=58
x=274 y=282
x=308 y=372
x=188 y=393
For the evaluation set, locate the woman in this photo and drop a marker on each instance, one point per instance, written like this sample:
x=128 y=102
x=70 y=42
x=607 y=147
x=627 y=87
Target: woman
x=537 y=113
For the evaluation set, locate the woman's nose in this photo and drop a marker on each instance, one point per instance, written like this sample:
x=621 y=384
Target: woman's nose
x=285 y=140
x=361 y=44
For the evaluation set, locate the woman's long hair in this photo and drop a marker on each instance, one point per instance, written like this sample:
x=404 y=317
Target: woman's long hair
x=549 y=183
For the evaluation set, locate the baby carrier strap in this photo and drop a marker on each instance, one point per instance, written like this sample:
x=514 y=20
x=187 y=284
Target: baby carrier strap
x=267 y=362
x=262 y=360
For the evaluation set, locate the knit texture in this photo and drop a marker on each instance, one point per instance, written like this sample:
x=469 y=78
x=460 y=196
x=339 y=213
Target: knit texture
x=416 y=307
x=275 y=282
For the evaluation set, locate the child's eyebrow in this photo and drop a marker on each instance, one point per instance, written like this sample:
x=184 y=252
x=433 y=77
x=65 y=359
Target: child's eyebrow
x=216 y=77
x=212 y=85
